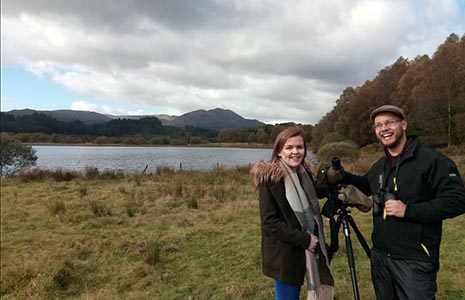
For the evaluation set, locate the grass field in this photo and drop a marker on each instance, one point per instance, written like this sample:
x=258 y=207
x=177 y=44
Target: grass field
x=166 y=235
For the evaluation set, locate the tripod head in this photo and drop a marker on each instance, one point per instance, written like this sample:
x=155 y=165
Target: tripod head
x=330 y=177
x=340 y=196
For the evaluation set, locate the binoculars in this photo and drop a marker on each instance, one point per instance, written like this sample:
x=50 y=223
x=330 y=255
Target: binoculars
x=379 y=198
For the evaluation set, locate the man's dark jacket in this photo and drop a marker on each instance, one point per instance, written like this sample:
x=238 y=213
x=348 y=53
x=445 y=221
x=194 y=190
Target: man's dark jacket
x=430 y=185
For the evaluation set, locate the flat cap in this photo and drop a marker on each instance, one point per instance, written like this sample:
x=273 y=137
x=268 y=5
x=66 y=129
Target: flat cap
x=389 y=109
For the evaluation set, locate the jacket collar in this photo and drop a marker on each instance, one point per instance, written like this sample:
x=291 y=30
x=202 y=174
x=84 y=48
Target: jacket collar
x=263 y=172
x=410 y=151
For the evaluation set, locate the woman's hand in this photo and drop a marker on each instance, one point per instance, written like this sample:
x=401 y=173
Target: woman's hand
x=313 y=243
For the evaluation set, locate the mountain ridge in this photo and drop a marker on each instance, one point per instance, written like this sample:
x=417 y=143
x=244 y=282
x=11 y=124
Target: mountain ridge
x=65 y=115
x=215 y=119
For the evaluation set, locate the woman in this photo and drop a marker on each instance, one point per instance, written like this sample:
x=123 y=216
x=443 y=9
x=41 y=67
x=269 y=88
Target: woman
x=292 y=229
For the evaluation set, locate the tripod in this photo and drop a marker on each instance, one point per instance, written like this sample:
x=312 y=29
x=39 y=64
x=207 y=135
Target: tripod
x=344 y=218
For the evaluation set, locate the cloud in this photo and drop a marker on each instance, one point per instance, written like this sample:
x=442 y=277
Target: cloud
x=82 y=105
x=269 y=60
x=104 y=109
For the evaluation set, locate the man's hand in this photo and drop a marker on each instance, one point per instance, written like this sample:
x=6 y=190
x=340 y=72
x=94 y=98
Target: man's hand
x=395 y=208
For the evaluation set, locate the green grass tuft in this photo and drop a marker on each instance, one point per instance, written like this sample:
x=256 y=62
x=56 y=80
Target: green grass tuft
x=153 y=253
x=192 y=203
x=99 y=209
x=64 y=276
x=57 y=207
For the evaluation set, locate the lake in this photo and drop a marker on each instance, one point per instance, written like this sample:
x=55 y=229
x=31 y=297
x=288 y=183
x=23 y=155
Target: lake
x=134 y=159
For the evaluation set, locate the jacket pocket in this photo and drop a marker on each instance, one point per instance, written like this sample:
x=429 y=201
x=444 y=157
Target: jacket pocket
x=271 y=254
x=403 y=238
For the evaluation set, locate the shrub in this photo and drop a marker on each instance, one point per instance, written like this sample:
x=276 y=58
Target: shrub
x=100 y=140
x=360 y=166
x=220 y=169
x=41 y=174
x=345 y=150
x=177 y=142
x=91 y=173
x=134 y=203
x=196 y=140
x=83 y=190
x=192 y=203
x=137 y=179
x=165 y=170
x=453 y=150
x=245 y=169
x=178 y=188
x=57 y=207
x=16 y=277
x=332 y=137
x=98 y=209
x=200 y=191
x=64 y=175
x=165 y=140
x=153 y=251
x=154 y=140
x=131 y=211
x=14 y=156
x=112 y=174
x=33 y=175
x=64 y=277
x=219 y=193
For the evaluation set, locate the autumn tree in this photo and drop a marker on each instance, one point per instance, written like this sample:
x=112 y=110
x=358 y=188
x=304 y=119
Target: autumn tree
x=430 y=90
x=262 y=136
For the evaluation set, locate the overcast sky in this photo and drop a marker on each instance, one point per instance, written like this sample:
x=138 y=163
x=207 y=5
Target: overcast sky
x=274 y=61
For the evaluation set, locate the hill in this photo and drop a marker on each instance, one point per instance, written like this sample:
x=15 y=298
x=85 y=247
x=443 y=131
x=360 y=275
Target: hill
x=66 y=115
x=215 y=119
x=162 y=117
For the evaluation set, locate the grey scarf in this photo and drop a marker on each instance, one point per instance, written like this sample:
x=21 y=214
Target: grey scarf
x=301 y=195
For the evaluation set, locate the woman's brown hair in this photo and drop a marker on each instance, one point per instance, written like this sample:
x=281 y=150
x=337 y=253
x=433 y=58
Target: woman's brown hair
x=282 y=138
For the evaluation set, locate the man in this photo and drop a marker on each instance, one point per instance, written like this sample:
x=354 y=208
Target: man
x=414 y=188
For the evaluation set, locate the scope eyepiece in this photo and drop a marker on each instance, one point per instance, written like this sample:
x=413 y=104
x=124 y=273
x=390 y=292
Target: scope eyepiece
x=336 y=163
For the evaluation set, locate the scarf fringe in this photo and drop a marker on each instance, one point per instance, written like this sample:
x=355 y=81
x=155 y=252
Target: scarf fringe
x=325 y=292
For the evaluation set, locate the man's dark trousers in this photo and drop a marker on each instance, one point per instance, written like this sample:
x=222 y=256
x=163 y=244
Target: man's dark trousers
x=402 y=279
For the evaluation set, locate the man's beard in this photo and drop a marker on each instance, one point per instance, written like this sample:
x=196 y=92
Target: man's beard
x=398 y=137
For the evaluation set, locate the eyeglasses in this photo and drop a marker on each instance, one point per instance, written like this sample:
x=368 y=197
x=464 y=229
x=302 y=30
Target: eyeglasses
x=388 y=124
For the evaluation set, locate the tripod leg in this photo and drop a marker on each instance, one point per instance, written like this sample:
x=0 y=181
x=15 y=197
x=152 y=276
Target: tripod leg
x=334 y=226
x=360 y=237
x=350 y=257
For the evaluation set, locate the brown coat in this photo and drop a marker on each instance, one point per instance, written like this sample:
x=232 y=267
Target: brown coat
x=283 y=242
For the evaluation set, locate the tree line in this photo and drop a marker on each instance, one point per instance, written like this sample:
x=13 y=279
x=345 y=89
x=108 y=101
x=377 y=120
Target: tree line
x=149 y=130
x=430 y=90
x=145 y=131
x=264 y=134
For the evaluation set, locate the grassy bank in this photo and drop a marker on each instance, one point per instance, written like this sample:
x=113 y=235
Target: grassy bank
x=166 y=235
